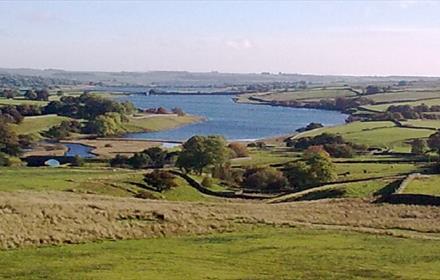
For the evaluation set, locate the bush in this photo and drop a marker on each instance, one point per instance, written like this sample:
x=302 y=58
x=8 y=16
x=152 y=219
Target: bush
x=119 y=161
x=339 y=150
x=6 y=160
x=266 y=179
x=77 y=161
x=207 y=182
x=160 y=180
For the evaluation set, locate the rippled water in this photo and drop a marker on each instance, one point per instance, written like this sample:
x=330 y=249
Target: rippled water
x=233 y=121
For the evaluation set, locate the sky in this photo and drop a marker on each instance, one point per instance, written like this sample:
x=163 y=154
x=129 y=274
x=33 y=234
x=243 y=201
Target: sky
x=313 y=37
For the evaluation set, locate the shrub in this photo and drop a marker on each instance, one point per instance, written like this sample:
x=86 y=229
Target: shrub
x=77 y=161
x=266 y=179
x=119 y=161
x=207 y=182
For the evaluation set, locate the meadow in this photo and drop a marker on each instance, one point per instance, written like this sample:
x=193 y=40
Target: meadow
x=380 y=134
x=37 y=124
x=429 y=185
x=258 y=253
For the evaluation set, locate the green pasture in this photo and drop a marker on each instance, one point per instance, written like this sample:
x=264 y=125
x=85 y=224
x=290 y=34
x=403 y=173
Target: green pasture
x=37 y=124
x=259 y=253
x=381 y=134
x=309 y=94
x=429 y=185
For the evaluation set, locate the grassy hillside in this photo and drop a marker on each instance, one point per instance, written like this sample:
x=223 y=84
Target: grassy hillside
x=429 y=185
x=37 y=124
x=159 y=122
x=261 y=253
x=381 y=134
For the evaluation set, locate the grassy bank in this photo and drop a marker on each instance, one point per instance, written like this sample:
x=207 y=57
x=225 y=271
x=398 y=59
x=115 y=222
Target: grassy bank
x=37 y=124
x=159 y=122
x=261 y=253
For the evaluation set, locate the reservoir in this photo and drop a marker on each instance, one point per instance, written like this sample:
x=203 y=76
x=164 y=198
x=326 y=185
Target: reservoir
x=234 y=121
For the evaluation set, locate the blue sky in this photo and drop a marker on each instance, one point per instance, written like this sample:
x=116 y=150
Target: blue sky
x=320 y=37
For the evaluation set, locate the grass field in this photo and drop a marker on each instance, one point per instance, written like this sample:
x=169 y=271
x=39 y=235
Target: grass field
x=19 y=101
x=363 y=189
x=309 y=94
x=423 y=123
x=368 y=170
x=90 y=180
x=125 y=183
x=261 y=253
x=265 y=157
x=374 y=134
x=160 y=122
x=384 y=107
x=31 y=125
x=408 y=95
x=425 y=185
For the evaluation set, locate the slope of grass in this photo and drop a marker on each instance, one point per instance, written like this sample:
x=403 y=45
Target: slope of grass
x=261 y=253
x=161 y=122
x=424 y=185
x=423 y=123
x=368 y=170
x=309 y=94
x=91 y=180
x=19 y=101
x=384 y=107
x=381 y=134
x=399 y=96
x=31 y=125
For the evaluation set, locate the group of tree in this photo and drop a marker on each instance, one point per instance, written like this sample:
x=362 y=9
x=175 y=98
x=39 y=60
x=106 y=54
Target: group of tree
x=39 y=94
x=87 y=106
x=333 y=144
x=316 y=168
x=10 y=114
x=153 y=157
x=64 y=129
x=200 y=152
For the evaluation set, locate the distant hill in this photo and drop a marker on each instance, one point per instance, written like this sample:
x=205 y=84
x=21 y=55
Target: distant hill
x=193 y=79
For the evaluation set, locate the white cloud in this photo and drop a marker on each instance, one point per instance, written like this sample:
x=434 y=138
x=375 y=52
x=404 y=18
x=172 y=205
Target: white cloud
x=241 y=44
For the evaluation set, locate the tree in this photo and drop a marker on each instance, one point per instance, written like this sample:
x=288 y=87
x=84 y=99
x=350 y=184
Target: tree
x=139 y=160
x=202 y=151
x=160 y=180
x=30 y=94
x=9 y=93
x=419 y=146
x=8 y=140
x=119 y=161
x=266 y=179
x=316 y=168
x=239 y=149
x=434 y=142
x=157 y=156
x=105 y=125
x=372 y=89
x=42 y=94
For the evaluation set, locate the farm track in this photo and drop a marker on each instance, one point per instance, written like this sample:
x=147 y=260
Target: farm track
x=51 y=218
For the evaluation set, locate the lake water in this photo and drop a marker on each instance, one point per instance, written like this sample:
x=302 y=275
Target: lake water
x=232 y=120
x=79 y=150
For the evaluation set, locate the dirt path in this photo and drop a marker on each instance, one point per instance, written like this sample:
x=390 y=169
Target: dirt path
x=42 y=218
